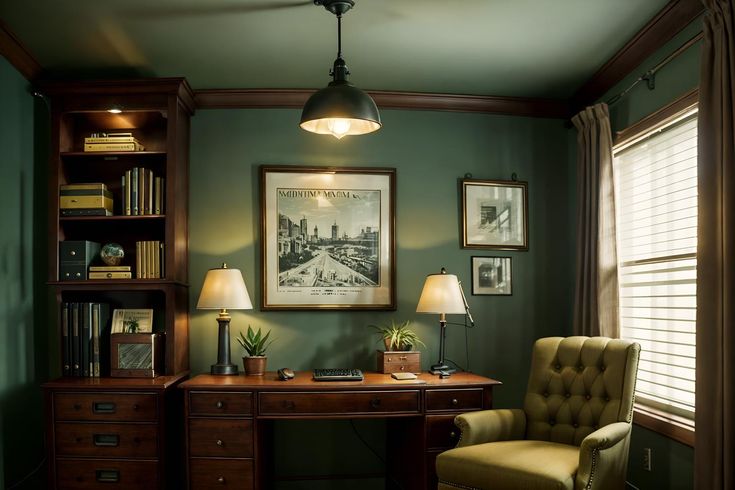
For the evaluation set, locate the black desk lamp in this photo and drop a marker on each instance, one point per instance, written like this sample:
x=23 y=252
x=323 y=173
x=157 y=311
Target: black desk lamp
x=442 y=295
x=224 y=289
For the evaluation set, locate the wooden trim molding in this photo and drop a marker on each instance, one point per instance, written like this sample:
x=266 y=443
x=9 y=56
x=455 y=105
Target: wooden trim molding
x=681 y=431
x=674 y=17
x=16 y=53
x=661 y=116
x=294 y=98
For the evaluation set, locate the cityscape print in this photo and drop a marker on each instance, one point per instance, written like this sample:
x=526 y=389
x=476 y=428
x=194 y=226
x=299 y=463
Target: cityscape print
x=328 y=238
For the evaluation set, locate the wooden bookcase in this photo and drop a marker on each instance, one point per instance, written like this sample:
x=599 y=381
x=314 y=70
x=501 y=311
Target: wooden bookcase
x=157 y=112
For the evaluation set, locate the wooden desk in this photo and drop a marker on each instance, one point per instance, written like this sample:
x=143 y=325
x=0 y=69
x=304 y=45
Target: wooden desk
x=228 y=421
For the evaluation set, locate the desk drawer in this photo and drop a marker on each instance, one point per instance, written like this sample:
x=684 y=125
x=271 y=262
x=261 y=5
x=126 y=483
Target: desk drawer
x=106 y=440
x=339 y=403
x=80 y=474
x=220 y=403
x=455 y=400
x=128 y=407
x=225 y=438
x=206 y=474
x=441 y=431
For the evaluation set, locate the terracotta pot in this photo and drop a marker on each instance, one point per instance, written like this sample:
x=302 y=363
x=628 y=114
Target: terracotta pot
x=255 y=365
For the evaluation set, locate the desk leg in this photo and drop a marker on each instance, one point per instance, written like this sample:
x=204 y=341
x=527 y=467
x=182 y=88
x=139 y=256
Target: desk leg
x=405 y=449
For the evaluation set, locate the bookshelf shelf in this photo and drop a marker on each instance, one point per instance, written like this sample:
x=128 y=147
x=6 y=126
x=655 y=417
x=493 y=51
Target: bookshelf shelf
x=156 y=112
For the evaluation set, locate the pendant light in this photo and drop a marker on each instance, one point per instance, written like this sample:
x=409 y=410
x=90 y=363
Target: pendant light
x=340 y=109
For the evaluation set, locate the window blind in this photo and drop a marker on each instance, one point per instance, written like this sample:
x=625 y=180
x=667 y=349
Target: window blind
x=656 y=206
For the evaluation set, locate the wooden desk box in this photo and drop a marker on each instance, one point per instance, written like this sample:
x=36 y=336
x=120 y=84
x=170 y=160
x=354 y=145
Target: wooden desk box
x=408 y=361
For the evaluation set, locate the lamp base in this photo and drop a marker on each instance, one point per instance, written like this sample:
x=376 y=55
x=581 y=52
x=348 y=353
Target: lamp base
x=442 y=368
x=224 y=369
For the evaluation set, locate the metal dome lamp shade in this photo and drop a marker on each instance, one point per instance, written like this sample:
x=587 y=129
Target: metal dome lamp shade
x=340 y=109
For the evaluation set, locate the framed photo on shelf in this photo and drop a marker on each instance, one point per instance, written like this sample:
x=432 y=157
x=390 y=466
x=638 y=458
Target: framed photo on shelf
x=492 y=276
x=494 y=214
x=132 y=321
x=328 y=238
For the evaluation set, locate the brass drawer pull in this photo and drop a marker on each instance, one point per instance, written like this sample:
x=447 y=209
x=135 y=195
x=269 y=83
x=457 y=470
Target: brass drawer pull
x=103 y=407
x=219 y=404
x=375 y=402
x=289 y=404
x=107 y=476
x=455 y=402
x=221 y=479
x=452 y=435
x=220 y=443
x=403 y=358
x=106 y=440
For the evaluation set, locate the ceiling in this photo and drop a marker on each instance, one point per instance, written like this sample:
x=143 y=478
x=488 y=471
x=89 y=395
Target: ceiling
x=524 y=48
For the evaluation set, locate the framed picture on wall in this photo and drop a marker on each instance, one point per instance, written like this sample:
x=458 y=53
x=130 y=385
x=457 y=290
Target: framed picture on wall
x=328 y=238
x=492 y=276
x=494 y=214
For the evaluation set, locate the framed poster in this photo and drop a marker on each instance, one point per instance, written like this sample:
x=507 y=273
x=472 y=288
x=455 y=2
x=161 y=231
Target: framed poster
x=494 y=214
x=328 y=238
x=492 y=276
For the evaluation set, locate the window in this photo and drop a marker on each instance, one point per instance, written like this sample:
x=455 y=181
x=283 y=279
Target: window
x=656 y=205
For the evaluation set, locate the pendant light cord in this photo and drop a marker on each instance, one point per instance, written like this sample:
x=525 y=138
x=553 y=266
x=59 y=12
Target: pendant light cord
x=339 y=35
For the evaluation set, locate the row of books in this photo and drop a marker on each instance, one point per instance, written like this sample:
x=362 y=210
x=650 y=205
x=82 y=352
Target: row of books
x=142 y=193
x=112 y=142
x=150 y=259
x=84 y=334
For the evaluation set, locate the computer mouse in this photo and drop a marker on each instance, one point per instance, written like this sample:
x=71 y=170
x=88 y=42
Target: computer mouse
x=285 y=374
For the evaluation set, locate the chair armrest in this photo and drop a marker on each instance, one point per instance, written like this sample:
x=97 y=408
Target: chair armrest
x=490 y=426
x=603 y=457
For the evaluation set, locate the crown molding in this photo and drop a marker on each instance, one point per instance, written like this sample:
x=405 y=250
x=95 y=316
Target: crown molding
x=674 y=17
x=16 y=53
x=288 y=98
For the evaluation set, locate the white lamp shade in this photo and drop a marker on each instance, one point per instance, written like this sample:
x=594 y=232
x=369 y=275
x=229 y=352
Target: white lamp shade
x=224 y=289
x=441 y=294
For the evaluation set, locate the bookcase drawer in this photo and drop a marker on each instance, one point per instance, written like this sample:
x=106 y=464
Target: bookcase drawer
x=106 y=440
x=441 y=431
x=220 y=403
x=227 y=438
x=338 y=403
x=206 y=474
x=456 y=400
x=133 y=407
x=108 y=474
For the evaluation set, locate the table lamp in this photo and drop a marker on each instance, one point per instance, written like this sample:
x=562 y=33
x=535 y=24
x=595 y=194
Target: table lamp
x=224 y=289
x=442 y=295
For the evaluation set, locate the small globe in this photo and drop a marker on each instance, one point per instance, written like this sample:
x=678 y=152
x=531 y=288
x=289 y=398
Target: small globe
x=112 y=254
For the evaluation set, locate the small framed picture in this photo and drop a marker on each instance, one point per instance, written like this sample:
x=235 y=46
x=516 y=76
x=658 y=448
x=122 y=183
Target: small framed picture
x=492 y=276
x=136 y=355
x=494 y=214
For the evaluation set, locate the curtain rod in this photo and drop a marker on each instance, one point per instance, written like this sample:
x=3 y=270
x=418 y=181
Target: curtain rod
x=650 y=75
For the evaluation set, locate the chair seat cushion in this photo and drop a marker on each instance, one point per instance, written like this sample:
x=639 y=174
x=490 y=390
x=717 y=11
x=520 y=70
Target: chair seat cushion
x=531 y=465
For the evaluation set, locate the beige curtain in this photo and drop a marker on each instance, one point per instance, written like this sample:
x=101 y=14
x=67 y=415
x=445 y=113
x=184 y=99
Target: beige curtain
x=715 y=406
x=596 y=292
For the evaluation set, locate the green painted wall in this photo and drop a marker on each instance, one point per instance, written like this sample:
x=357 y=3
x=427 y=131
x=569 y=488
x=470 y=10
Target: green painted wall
x=672 y=463
x=430 y=151
x=23 y=341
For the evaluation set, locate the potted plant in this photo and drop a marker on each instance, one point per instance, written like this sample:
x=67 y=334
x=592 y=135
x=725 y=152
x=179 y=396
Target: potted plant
x=397 y=336
x=255 y=345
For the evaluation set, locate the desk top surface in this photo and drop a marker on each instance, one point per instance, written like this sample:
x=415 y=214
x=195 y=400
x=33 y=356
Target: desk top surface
x=303 y=381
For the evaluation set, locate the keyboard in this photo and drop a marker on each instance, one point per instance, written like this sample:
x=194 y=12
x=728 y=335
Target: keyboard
x=338 y=375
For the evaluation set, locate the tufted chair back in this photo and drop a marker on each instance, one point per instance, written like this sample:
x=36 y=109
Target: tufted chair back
x=577 y=385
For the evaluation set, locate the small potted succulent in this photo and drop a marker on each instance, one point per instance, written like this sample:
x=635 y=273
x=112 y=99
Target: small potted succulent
x=397 y=336
x=255 y=345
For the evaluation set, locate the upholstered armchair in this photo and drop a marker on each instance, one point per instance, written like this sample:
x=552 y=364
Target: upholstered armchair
x=574 y=429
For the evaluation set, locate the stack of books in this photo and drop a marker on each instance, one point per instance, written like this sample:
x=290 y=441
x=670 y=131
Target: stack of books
x=142 y=192
x=84 y=333
x=149 y=260
x=85 y=200
x=112 y=142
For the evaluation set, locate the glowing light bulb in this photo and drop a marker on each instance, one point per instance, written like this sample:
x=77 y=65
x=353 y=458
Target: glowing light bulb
x=114 y=110
x=338 y=127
